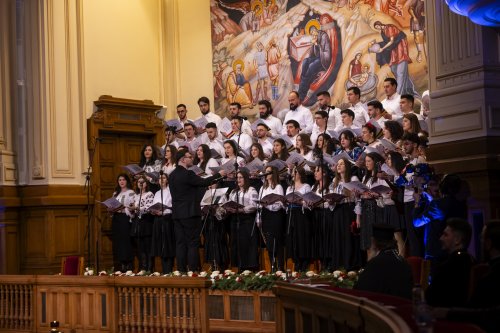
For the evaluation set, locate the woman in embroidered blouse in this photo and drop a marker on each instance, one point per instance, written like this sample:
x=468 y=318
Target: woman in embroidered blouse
x=150 y=163
x=298 y=226
x=372 y=204
x=143 y=223
x=348 y=144
x=273 y=219
x=256 y=151
x=169 y=166
x=120 y=225
x=325 y=144
x=204 y=160
x=280 y=151
x=163 y=244
x=345 y=247
x=244 y=240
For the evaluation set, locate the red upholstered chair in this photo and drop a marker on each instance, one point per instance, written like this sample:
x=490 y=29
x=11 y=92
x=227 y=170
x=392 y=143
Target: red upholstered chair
x=72 y=265
x=416 y=268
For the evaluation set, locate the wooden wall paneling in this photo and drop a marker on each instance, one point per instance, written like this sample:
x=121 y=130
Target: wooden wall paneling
x=125 y=126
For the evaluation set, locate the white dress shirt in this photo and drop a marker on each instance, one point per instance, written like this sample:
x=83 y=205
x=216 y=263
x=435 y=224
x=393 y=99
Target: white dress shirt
x=391 y=104
x=245 y=140
x=212 y=118
x=303 y=116
x=360 y=114
x=274 y=124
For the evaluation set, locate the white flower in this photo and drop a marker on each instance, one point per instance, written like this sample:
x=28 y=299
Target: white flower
x=141 y=273
x=278 y=273
x=246 y=272
x=190 y=273
x=177 y=273
x=310 y=274
x=103 y=273
x=221 y=276
x=352 y=274
x=228 y=272
x=156 y=274
x=86 y=274
x=117 y=273
x=238 y=279
x=336 y=274
x=341 y=279
x=214 y=274
x=203 y=274
x=129 y=273
x=295 y=274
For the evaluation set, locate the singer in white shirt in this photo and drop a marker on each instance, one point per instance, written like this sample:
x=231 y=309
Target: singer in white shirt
x=298 y=113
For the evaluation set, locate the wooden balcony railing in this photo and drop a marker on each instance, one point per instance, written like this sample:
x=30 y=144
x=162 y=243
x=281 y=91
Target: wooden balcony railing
x=303 y=309
x=103 y=304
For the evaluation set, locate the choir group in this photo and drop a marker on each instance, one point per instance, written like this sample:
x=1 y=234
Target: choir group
x=307 y=186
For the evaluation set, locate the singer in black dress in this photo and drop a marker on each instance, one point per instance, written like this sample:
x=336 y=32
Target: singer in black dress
x=273 y=219
x=244 y=240
x=163 y=244
x=298 y=228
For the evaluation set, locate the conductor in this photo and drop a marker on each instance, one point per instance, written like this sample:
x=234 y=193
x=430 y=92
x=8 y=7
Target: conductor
x=187 y=190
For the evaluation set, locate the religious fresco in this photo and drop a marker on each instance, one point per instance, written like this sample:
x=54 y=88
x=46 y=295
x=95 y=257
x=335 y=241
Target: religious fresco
x=262 y=49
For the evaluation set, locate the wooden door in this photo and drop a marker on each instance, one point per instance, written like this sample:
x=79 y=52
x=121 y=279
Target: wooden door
x=115 y=150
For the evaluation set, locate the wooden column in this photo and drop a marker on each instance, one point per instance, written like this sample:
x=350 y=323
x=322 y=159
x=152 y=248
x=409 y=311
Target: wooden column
x=464 y=74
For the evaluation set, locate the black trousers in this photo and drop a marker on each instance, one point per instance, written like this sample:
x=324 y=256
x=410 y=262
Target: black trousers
x=187 y=242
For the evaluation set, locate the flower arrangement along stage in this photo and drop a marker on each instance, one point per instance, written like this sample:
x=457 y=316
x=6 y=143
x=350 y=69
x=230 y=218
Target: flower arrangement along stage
x=250 y=281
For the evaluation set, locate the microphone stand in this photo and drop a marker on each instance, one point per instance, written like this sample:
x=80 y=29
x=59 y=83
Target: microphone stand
x=90 y=210
x=212 y=204
x=290 y=217
x=236 y=168
x=322 y=168
x=161 y=218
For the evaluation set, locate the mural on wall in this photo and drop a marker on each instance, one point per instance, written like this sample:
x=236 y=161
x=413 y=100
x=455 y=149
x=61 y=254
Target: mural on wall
x=263 y=49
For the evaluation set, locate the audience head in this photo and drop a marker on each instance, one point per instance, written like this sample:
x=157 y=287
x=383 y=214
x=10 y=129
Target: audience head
x=491 y=239
x=383 y=237
x=456 y=236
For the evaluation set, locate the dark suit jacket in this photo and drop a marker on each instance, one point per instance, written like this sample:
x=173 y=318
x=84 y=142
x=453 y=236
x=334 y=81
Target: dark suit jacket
x=450 y=282
x=187 y=191
x=387 y=273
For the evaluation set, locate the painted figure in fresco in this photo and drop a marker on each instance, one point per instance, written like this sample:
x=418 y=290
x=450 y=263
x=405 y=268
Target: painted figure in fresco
x=270 y=12
x=417 y=25
x=355 y=66
x=318 y=60
x=237 y=87
x=252 y=13
x=393 y=51
x=273 y=59
x=321 y=63
x=260 y=65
